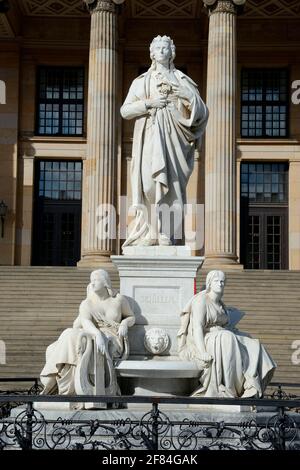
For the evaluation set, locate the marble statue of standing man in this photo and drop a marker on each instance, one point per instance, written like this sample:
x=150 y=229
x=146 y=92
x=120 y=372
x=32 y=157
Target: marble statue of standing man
x=170 y=121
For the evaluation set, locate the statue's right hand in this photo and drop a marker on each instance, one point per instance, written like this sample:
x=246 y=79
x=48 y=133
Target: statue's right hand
x=100 y=343
x=157 y=103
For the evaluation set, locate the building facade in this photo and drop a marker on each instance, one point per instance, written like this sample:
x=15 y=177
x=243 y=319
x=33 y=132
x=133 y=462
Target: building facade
x=65 y=69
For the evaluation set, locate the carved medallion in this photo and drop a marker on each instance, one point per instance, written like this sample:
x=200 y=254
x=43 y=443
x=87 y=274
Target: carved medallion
x=156 y=341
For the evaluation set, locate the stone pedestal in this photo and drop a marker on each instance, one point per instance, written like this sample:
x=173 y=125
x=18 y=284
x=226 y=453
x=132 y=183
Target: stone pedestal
x=158 y=377
x=158 y=288
x=158 y=284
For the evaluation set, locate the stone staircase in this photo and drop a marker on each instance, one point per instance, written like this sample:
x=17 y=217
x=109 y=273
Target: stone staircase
x=37 y=303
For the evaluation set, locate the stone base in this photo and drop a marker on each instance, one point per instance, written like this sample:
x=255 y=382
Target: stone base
x=157 y=250
x=176 y=412
x=58 y=406
x=222 y=408
x=161 y=378
x=157 y=369
x=64 y=406
x=94 y=261
x=222 y=263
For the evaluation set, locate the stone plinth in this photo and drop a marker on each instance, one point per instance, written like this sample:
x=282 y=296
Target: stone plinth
x=157 y=251
x=158 y=288
x=158 y=284
x=158 y=377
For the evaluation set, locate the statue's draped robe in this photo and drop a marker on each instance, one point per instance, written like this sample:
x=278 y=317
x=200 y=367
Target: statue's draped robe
x=163 y=144
x=240 y=363
x=62 y=356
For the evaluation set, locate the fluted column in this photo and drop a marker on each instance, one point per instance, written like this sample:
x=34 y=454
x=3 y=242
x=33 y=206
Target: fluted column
x=99 y=172
x=220 y=153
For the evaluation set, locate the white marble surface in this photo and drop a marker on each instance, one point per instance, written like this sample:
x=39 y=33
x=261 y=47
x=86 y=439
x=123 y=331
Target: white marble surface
x=157 y=289
x=157 y=369
x=170 y=119
x=231 y=363
x=81 y=351
x=156 y=341
x=157 y=250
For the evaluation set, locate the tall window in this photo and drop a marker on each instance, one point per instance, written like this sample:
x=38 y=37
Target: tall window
x=264 y=215
x=264 y=182
x=60 y=101
x=264 y=103
x=60 y=180
x=57 y=213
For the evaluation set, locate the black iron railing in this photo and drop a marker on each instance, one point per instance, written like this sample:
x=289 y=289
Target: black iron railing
x=153 y=427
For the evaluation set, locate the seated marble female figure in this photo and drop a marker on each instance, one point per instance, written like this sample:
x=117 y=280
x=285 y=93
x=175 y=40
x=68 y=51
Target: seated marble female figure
x=231 y=363
x=104 y=317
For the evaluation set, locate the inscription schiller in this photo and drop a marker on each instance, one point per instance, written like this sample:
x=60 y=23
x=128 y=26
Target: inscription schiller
x=158 y=299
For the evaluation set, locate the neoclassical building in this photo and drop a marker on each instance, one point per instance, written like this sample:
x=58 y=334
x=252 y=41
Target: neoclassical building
x=65 y=68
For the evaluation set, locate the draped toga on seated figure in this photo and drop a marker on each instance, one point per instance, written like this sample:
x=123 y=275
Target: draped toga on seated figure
x=104 y=315
x=231 y=363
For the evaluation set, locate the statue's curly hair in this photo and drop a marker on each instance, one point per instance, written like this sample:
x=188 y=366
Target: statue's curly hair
x=163 y=39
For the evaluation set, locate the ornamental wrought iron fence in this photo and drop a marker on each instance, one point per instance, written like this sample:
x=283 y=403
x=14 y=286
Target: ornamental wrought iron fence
x=24 y=425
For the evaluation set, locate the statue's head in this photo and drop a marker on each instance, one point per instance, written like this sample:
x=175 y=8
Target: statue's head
x=162 y=48
x=215 y=282
x=156 y=340
x=99 y=279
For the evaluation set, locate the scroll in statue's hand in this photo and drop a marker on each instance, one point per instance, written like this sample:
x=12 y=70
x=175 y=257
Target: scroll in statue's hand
x=123 y=330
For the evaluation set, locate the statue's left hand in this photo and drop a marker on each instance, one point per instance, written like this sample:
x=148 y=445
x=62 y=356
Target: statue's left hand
x=123 y=330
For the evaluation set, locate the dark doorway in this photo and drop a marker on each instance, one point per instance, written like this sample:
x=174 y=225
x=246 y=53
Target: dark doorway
x=57 y=213
x=264 y=215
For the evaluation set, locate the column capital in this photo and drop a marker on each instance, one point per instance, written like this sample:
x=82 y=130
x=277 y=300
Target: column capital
x=224 y=6
x=102 y=5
